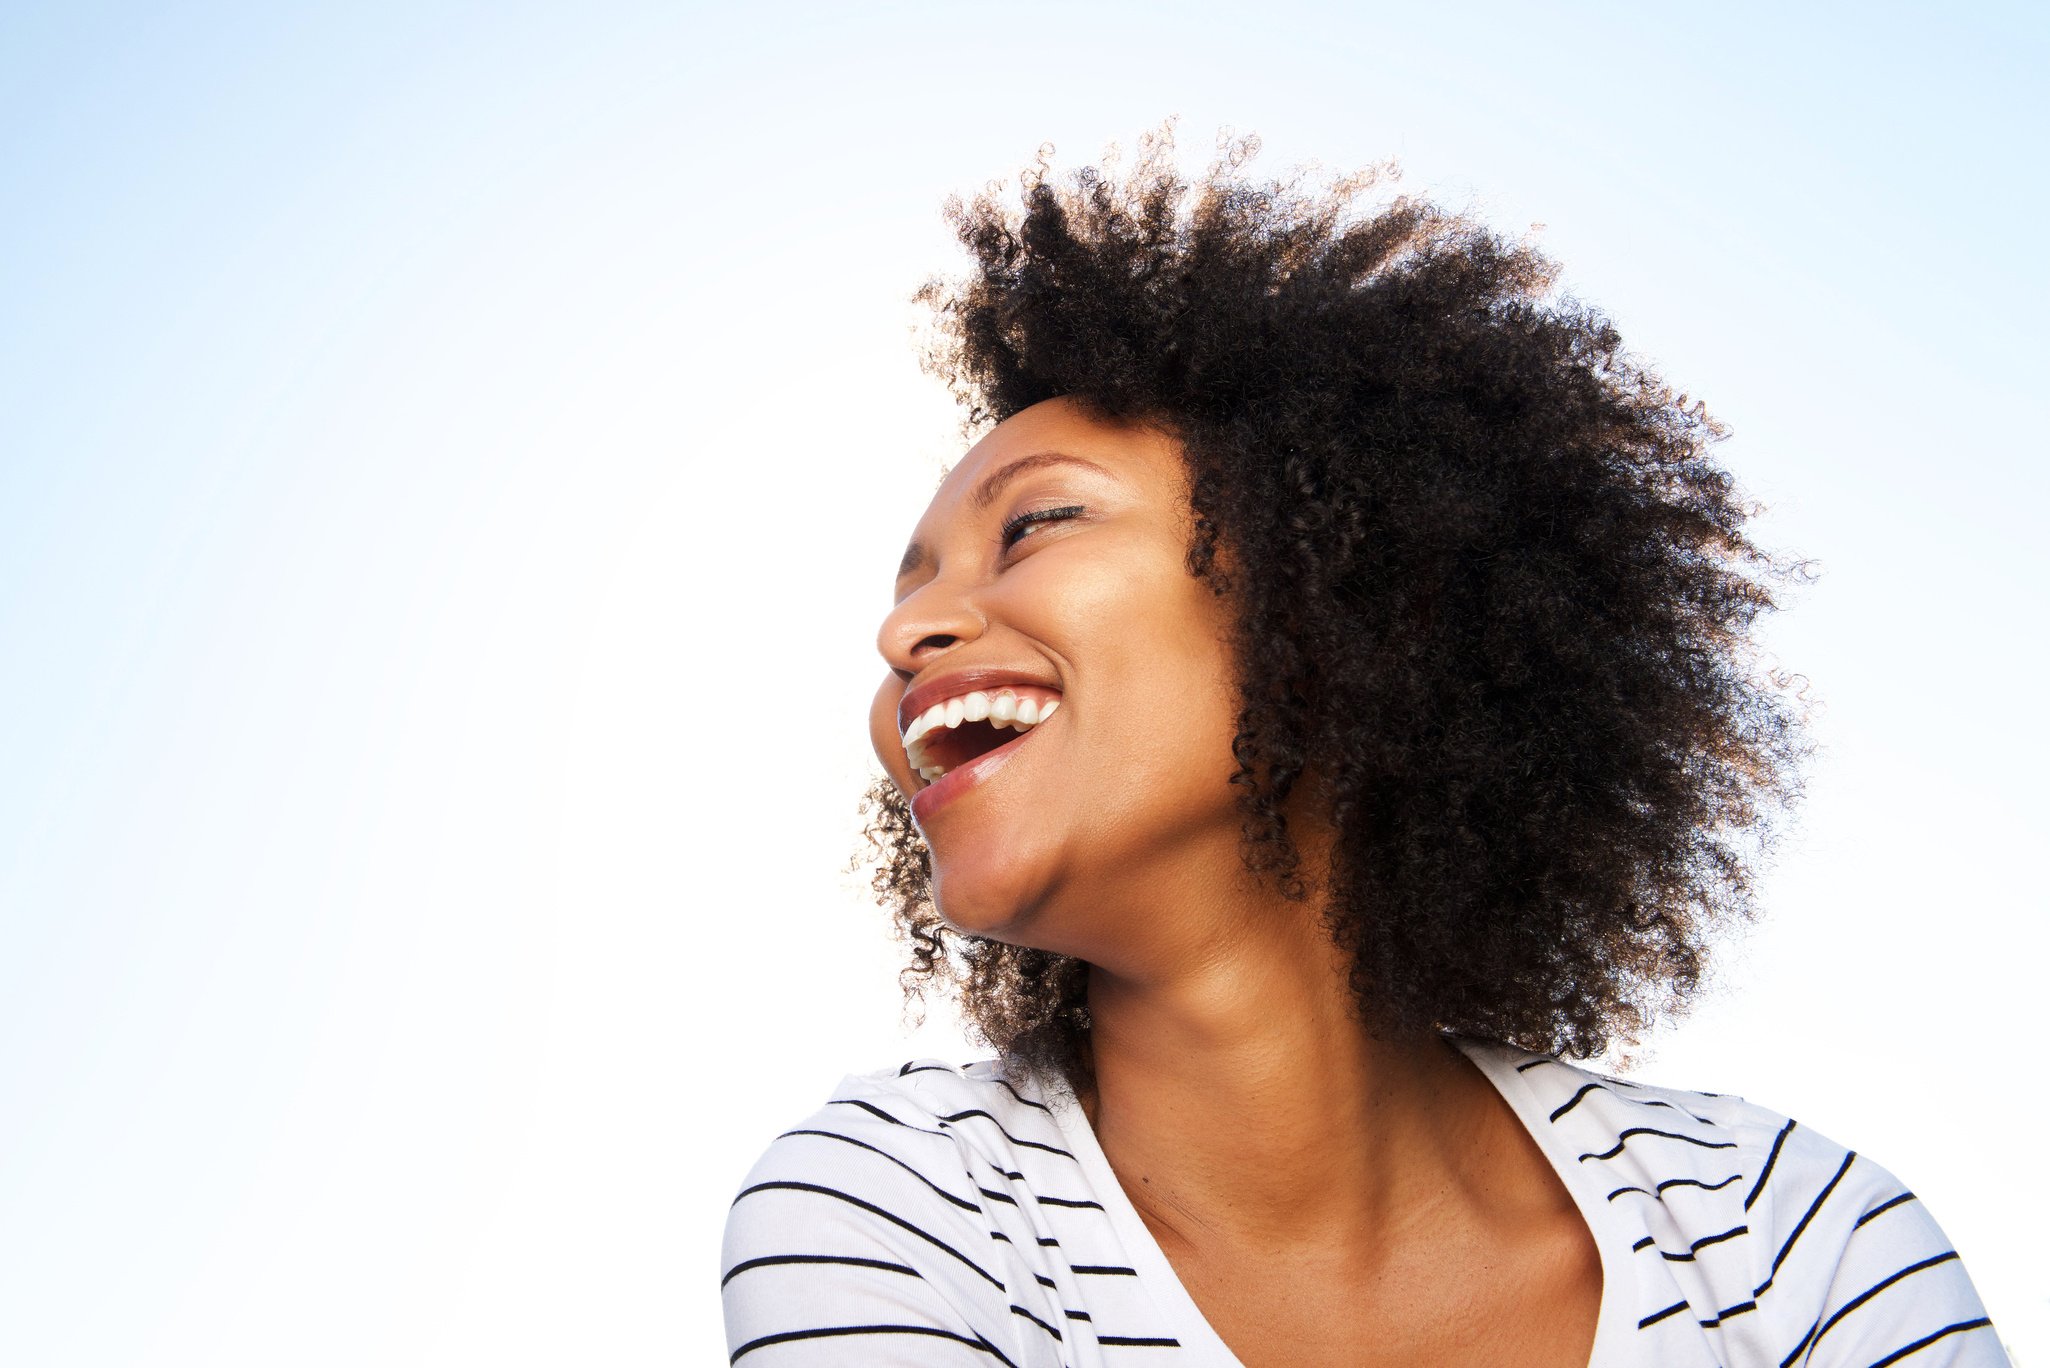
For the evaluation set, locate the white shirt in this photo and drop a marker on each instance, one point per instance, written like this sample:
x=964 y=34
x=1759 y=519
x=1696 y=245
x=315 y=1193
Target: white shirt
x=934 y=1215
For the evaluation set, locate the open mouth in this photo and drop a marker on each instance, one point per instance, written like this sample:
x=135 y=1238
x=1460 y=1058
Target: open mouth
x=962 y=730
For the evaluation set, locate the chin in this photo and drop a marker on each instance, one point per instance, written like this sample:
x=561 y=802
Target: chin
x=991 y=898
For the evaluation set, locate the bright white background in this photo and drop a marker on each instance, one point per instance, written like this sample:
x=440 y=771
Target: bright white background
x=451 y=462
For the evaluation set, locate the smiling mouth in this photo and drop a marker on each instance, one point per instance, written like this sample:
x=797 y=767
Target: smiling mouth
x=952 y=734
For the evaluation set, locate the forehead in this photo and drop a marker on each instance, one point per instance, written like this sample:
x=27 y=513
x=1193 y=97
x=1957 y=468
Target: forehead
x=1054 y=433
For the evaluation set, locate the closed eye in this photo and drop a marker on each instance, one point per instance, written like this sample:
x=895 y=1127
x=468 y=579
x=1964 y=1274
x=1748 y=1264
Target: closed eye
x=1018 y=524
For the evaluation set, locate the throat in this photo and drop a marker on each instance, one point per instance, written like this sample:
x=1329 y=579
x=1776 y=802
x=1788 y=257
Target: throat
x=1281 y=1129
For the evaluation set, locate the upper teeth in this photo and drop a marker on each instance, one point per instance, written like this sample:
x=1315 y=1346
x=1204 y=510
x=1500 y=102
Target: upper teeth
x=1003 y=709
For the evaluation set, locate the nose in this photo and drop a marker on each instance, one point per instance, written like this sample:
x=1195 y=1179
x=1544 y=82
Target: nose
x=936 y=616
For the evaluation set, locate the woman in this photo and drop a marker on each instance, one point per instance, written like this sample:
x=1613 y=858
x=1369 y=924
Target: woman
x=1319 y=707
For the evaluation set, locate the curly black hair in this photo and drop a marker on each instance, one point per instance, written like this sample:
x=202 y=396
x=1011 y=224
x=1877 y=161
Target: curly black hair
x=1489 y=588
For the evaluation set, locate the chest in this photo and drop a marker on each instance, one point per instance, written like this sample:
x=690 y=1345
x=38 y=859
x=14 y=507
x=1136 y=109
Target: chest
x=1449 y=1304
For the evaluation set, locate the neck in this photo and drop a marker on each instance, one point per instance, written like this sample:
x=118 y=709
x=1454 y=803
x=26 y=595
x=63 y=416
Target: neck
x=1240 y=1100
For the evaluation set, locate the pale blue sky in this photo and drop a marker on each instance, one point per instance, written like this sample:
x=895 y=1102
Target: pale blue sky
x=434 y=438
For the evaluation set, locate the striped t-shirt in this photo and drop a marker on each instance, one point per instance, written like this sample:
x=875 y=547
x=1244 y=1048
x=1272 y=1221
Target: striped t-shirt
x=935 y=1215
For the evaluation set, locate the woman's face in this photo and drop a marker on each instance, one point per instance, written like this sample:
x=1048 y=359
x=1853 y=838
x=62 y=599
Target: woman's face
x=1052 y=564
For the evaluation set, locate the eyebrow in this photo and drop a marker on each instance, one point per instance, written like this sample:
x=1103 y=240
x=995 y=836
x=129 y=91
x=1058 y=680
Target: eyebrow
x=916 y=556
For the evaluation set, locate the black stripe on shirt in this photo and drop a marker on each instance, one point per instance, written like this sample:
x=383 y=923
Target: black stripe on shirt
x=1625 y=1137
x=1729 y=1313
x=772 y=1259
x=1888 y=1205
x=1818 y=1331
x=1570 y=1103
x=873 y=1110
x=1770 y=1160
x=912 y=1067
x=1813 y=1207
x=1671 y=1106
x=1693 y=1249
x=873 y=1209
x=1018 y=1310
x=958 y=1201
x=1023 y=1098
x=1140 y=1341
x=1645 y=1087
x=1923 y=1343
x=828 y=1332
x=1028 y=1144
x=1704 y=1185
x=962 y=1202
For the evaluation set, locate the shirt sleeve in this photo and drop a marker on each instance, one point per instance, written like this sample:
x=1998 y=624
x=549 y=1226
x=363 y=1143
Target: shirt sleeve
x=839 y=1251
x=1889 y=1285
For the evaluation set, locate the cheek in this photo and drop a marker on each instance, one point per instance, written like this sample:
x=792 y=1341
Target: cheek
x=1186 y=656
x=1162 y=628
x=1159 y=652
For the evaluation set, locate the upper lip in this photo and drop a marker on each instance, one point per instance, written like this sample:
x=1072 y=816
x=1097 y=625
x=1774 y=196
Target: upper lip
x=955 y=683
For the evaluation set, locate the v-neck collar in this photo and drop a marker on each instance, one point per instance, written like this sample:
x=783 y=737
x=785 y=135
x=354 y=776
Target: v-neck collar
x=1205 y=1348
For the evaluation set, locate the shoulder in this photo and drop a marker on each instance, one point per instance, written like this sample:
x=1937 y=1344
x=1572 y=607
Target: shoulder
x=1765 y=1232
x=873 y=1212
x=922 y=1118
x=980 y=1104
x=900 y=1144
x=1638 y=1133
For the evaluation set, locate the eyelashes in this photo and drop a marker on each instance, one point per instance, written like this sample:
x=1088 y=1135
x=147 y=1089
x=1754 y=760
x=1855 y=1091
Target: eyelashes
x=1018 y=524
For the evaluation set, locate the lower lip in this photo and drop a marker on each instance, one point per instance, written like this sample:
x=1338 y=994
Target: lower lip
x=956 y=782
